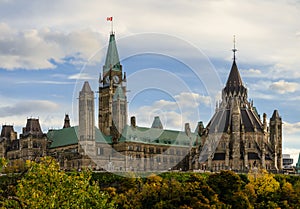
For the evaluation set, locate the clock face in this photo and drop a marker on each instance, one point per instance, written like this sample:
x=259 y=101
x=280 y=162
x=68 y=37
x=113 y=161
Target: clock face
x=116 y=79
x=107 y=79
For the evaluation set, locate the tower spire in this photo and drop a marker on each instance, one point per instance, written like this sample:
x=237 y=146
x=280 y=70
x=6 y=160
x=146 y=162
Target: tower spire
x=234 y=49
x=112 y=61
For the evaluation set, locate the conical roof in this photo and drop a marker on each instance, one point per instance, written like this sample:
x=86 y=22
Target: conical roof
x=234 y=78
x=86 y=87
x=234 y=82
x=112 y=57
x=275 y=115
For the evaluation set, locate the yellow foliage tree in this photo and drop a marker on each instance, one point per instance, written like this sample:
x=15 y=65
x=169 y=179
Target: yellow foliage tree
x=45 y=186
x=263 y=182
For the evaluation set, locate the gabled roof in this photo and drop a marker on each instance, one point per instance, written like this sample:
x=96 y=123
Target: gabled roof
x=69 y=136
x=156 y=136
x=63 y=137
x=119 y=94
x=112 y=57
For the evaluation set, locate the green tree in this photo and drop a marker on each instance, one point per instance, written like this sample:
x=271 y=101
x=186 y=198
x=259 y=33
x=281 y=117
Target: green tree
x=225 y=184
x=3 y=163
x=288 y=197
x=169 y=193
x=45 y=186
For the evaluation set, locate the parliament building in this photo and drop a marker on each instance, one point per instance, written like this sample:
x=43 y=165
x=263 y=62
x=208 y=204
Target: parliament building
x=235 y=138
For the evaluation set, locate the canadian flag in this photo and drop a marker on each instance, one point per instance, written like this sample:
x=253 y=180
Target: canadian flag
x=109 y=18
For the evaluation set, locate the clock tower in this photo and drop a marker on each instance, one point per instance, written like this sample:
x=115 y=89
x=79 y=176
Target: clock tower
x=113 y=79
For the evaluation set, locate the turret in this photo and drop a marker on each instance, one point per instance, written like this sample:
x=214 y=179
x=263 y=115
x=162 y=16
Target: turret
x=276 y=138
x=86 y=113
x=86 y=129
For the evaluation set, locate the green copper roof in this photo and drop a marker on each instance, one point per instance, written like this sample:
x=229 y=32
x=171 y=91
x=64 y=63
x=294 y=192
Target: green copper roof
x=69 y=136
x=156 y=136
x=298 y=163
x=112 y=57
x=119 y=94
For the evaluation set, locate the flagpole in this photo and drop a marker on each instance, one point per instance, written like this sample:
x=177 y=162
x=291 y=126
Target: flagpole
x=112 y=26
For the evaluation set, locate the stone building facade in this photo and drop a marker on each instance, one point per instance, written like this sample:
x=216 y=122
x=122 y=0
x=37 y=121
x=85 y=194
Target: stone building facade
x=235 y=138
x=31 y=144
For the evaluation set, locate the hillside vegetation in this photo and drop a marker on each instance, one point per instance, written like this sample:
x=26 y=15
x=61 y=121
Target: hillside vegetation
x=44 y=185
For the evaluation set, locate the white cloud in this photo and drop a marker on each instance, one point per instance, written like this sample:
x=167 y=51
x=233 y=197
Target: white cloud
x=283 y=87
x=28 y=107
x=251 y=73
x=14 y=111
x=188 y=99
x=81 y=76
x=45 y=82
x=291 y=128
x=38 y=48
x=291 y=143
x=173 y=114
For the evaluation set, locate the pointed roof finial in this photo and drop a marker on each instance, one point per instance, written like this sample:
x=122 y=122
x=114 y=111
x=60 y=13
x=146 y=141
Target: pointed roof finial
x=234 y=49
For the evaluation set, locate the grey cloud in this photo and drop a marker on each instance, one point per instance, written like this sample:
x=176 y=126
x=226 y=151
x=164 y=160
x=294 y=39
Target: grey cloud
x=28 y=107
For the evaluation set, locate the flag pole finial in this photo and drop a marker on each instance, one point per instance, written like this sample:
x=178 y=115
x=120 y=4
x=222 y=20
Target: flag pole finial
x=111 y=24
x=234 y=49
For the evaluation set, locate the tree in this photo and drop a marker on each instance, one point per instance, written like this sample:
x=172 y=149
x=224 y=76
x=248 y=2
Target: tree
x=225 y=184
x=3 y=163
x=264 y=188
x=45 y=186
x=288 y=196
x=169 y=193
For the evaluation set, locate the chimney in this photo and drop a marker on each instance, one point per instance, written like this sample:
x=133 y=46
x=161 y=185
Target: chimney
x=133 y=122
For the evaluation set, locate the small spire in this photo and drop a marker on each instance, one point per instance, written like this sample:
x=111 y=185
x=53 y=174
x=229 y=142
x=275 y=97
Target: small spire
x=234 y=49
x=67 y=121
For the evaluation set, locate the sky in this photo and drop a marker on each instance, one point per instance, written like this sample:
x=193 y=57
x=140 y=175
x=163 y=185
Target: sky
x=177 y=56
